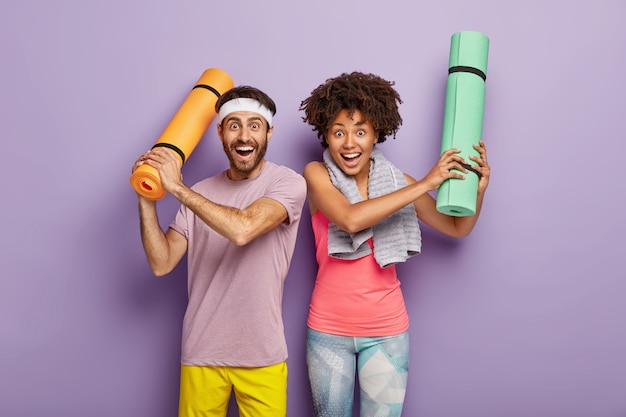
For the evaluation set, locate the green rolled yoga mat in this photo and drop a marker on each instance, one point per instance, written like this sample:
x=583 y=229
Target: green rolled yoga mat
x=463 y=118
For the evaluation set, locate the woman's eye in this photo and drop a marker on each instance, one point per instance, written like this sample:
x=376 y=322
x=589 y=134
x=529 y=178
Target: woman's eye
x=361 y=133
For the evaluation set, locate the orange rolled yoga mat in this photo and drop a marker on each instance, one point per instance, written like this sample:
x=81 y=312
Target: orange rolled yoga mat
x=184 y=131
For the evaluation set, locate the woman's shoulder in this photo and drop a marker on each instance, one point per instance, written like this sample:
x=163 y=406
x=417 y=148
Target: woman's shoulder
x=313 y=168
x=315 y=164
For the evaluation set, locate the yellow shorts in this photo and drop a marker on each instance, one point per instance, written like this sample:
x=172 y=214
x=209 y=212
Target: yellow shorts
x=260 y=392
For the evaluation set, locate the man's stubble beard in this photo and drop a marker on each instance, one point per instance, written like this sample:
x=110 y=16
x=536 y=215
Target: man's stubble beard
x=245 y=168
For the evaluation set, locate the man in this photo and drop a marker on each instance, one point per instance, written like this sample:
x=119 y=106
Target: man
x=239 y=230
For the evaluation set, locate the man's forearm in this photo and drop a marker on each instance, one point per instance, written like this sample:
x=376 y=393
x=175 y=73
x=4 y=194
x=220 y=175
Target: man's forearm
x=240 y=226
x=154 y=241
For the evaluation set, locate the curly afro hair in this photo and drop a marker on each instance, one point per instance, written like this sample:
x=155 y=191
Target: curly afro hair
x=372 y=95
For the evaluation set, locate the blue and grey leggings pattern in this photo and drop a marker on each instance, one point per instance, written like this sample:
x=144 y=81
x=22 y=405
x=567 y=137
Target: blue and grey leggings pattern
x=382 y=364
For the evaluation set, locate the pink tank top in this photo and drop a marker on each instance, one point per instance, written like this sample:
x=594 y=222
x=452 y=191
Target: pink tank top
x=354 y=297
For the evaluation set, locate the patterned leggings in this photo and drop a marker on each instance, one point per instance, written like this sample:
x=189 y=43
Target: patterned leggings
x=382 y=364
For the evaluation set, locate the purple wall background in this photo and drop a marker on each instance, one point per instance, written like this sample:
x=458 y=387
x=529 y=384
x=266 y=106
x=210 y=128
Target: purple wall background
x=523 y=318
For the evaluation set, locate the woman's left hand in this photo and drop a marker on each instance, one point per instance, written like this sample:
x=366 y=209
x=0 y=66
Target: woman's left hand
x=483 y=166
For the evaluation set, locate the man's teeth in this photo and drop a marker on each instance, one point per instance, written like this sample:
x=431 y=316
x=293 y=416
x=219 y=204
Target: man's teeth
x=244 y=148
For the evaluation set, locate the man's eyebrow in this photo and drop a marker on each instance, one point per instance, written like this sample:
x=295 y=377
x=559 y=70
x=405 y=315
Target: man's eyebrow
x=238 y=119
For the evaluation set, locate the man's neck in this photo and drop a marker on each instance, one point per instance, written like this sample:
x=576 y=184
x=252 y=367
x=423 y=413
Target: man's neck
x=237 y=175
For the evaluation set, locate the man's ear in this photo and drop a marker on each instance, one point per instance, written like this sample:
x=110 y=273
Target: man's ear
x=270 y=132
x=219 y=132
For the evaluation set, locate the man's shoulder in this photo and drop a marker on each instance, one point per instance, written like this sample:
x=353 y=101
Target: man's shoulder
x=277 y=170
x=286 y=179
x=277 y=167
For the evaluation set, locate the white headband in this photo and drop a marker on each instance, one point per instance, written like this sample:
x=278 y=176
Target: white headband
x=244 y=104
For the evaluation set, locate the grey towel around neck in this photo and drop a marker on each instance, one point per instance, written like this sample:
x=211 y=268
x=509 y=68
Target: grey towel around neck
x=396 y=238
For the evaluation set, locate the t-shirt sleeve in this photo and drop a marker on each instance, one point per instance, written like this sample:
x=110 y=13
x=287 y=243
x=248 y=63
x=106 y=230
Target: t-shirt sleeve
x=290 y=191
x=180 y=223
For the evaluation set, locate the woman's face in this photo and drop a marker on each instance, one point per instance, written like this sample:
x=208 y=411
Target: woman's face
x=350 y=142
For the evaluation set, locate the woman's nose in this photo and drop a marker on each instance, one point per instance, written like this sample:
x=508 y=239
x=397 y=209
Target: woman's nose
x=349 y=141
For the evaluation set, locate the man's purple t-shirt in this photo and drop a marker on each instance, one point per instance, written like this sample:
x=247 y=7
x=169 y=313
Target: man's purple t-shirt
x=234 y=314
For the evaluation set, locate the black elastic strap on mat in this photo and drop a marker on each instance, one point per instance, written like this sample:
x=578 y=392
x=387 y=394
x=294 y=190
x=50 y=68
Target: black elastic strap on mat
x=172 y=147
x=471 y=168
x=472 y=70
x=208 y=87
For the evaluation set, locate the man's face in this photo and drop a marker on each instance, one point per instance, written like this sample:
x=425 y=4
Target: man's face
x=244 y=136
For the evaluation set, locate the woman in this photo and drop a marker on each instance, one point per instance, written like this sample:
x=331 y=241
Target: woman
x=365 y=220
